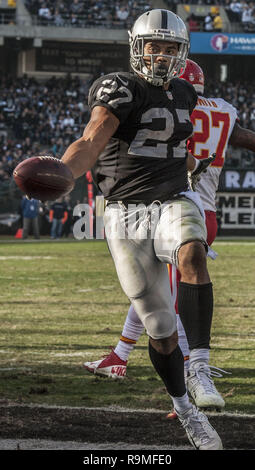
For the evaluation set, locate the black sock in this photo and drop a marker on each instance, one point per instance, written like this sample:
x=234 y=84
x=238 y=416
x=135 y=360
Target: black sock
x=195 y=306
x=171 y=370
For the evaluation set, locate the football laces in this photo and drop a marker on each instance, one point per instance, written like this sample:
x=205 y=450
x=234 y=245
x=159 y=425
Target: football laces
x=49 y=157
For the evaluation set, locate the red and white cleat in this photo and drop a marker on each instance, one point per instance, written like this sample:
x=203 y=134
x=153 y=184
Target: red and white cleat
x=110 y=366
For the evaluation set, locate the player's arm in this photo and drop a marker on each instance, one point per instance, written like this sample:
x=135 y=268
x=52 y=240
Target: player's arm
x=241 y=137
x=191 y=162
x=82 y=154
x=195 y=167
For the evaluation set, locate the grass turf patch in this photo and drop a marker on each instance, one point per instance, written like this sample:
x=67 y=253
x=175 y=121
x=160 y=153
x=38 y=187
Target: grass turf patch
x=61 y=304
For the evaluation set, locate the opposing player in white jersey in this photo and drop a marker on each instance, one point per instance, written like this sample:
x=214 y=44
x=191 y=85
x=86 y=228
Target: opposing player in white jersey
x=215 y=126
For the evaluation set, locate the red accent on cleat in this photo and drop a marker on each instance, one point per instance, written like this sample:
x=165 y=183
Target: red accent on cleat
x=171 y=415
x=110 y=366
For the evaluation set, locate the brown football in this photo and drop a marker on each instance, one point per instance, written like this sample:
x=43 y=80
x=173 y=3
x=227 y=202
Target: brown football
x=44 y=178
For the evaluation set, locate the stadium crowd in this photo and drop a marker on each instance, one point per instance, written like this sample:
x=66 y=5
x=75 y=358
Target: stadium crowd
x=44 y=118
x=241 y=13
x=119 y=14
x=35 y=118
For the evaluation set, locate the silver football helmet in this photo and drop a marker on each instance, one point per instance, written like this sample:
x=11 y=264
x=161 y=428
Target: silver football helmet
x=161 y=25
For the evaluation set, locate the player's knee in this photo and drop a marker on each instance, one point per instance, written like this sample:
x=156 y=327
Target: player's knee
x=192 y=255
x=192 y=261
x=165 y=345
x=160 y=325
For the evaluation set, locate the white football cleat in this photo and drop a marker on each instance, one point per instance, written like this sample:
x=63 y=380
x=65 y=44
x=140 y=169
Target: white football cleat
x=110 y=366
x=200 y=432
x=201 y=387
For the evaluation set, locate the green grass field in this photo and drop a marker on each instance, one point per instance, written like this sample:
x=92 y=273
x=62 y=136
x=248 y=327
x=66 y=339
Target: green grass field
x=61 y=304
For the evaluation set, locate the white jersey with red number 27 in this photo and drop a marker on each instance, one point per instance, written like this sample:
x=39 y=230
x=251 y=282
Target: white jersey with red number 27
x=213 y=120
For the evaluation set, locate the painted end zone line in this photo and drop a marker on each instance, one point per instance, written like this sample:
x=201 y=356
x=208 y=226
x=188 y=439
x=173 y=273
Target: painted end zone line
x=117 y=409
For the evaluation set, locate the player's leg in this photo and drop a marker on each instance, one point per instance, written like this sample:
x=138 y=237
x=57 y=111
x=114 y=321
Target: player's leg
x=195 y=300
x=199 y=381
x=115 y=364
x=59 y=228
x=154 y=307
x=132 y=330
x=174 y=278
x=53 y=232
x=211 y=226
x=26 y=227
x=145 y=281
x=36 y=229
x=186 y=224
x=184 y=246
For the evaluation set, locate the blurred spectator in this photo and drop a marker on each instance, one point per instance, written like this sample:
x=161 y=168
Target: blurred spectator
x=69 y=221
x=121 y=16
x=58 y=19
x=122 y=13
x=250 y=27
x=68 y=120
x=193 y=24
x=208 y=23
x=76 y=7
x=118 y=14
x=246 y=17
x=236 y=10
x=252 y=119
x=30 y=213
x=44 y=13
x=58 y=217
x=217 y=23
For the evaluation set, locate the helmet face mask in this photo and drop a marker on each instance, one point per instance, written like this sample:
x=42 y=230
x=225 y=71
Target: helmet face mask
x=158 y=25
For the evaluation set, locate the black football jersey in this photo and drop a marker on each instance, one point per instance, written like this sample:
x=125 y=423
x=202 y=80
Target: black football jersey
x=145 y=159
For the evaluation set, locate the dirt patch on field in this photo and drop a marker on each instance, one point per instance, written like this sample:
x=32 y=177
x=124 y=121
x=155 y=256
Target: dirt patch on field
x=101 y=426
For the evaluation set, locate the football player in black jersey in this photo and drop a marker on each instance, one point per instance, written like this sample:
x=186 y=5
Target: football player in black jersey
x=135 y=142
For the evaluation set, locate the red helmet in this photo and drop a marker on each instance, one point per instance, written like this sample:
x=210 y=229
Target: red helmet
x=194 y=75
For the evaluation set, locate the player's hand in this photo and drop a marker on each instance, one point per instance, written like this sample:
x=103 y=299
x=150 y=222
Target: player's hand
x=195 y=176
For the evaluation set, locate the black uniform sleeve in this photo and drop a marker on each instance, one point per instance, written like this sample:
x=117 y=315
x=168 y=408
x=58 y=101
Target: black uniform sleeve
x=114 y=92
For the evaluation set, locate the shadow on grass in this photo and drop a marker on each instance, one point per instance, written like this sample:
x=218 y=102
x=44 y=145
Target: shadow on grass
x=71 y=385
x=63 y=302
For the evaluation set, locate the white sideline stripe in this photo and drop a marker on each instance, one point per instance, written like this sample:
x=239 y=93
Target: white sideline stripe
x=14 y=368
x=3 y=258
x=117 y=409
x=68 y=354
x=43 y=444
x=219 y=243
x=96 y=288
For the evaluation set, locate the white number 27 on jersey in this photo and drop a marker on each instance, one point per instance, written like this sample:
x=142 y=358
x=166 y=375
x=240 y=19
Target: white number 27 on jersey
x=157 y=148
x=110 y=86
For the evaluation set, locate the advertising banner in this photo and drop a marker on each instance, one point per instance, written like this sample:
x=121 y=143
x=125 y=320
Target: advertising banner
x=222 y=43
x=238 y=211
x=82 y=58
x=237 y=180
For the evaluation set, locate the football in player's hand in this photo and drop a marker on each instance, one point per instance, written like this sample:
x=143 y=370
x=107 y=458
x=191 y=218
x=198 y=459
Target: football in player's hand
x=44 y=178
